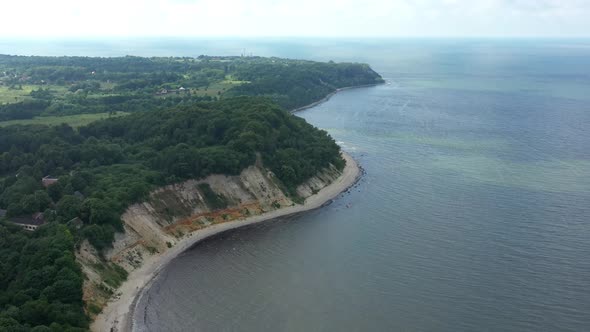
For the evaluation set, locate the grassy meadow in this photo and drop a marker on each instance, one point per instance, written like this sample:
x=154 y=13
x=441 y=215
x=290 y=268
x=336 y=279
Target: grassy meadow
x=75 y=121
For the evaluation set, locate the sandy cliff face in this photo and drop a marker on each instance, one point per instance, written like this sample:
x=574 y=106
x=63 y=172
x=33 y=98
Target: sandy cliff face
x=175 y=211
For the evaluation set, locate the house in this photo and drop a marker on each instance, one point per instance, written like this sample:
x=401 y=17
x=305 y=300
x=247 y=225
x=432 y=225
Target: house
x=30 y=223
x=2 y=213
x=48 y=180
x=164 y=92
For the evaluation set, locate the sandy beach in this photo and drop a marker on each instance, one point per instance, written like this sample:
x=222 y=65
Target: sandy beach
x=117 y=315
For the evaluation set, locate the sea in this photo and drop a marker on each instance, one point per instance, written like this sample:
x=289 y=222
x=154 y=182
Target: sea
x=473 y=213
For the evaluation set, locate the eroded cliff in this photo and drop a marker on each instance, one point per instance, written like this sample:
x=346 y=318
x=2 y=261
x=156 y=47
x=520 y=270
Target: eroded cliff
x=176 y=211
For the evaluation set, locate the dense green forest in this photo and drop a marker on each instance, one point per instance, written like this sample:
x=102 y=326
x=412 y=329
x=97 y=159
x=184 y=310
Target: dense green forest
x=115 y=162
x=231 y=112
x=40 y=281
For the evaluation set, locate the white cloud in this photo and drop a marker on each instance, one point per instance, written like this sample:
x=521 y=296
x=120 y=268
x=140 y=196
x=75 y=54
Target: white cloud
x=73 y=18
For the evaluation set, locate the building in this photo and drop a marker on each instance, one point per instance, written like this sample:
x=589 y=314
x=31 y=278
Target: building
x=164 y=92
x=29 y=223
x=2 y=213
x=48 y=180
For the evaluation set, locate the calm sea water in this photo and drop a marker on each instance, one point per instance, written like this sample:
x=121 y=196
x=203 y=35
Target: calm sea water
x=474 y=214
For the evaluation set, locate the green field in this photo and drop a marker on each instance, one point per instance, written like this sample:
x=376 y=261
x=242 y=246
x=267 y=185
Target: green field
x=23 y=92
x=218 y=88
x=75 y=121
x=214 y=90
x=8 y=95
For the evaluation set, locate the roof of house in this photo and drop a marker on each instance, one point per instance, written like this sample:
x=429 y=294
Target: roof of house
x=48 y=180
x=26 y=221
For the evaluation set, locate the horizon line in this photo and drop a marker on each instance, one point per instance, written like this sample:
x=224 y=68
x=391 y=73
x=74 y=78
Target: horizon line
x=105 y=37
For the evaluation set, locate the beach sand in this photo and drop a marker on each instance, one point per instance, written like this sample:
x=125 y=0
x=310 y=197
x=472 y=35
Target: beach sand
x=117 y=315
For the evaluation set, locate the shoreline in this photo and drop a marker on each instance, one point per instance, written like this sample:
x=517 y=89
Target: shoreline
x=117 y=316
x=330 y=95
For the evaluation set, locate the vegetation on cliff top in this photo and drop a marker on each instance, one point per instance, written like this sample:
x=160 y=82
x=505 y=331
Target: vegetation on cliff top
x=109 y=164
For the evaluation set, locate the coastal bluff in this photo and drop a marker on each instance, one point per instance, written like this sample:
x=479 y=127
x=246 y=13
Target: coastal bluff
x=174 y=214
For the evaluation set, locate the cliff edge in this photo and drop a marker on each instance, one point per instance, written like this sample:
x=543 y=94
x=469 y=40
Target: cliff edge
x=179 y=215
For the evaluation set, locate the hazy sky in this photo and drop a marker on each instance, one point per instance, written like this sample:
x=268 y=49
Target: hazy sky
x=395 y=18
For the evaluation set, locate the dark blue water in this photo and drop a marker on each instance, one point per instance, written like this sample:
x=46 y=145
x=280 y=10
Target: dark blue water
x=474 y=214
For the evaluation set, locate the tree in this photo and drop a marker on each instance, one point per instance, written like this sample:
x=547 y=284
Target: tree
x=68 y=207
x=99 y=236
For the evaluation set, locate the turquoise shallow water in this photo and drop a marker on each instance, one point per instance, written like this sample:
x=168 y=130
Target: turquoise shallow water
x=473 y=215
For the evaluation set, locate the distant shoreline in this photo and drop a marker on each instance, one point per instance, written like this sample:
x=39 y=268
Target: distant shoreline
x=117 y=316
x=330 y=95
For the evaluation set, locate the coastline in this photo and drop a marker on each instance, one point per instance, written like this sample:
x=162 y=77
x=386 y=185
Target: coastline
x=117 y=316
x=330 y=95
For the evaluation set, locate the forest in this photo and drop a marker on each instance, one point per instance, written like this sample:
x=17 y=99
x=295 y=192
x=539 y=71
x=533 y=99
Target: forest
x=104 y=166
x=40 y=281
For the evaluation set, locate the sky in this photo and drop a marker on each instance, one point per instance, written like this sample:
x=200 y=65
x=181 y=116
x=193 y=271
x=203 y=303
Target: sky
x=304 y=18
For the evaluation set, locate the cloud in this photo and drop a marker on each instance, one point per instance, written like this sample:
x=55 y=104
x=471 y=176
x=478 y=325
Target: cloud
x=69 y=18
